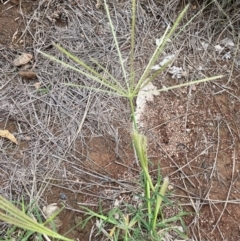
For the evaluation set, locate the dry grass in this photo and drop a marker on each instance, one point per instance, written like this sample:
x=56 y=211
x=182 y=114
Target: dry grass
x=54 y=126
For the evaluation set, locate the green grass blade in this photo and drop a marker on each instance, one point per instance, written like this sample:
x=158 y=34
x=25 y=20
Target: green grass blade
x=173 y=219
x=26 y=236
x=31 y=225
x=14 y=216
x=110 y=75
x=132 y=73
x=190 y=83
x=160 y=196
x=103 y=217
x=159 y=49
x=116 y=44
x=9 y=207
x=148 y=197
x=81 y=63
x=194 y=82
x=95 y=78
x=85 y=66
x=155 y=74
x=149 y=65
x=140 y=146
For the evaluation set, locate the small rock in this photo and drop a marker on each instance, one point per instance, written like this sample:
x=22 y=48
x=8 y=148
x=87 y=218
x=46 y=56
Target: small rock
x=63 y=196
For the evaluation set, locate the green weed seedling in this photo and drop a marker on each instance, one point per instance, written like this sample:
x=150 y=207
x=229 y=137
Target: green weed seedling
x=44 y=90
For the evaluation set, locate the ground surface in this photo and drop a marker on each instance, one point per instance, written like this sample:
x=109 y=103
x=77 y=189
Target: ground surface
x=74 y=144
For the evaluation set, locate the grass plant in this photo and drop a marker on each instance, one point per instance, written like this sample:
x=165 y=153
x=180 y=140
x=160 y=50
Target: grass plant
x=23 y=234
x=146 y=221
x=29 y=225
x=148 y=218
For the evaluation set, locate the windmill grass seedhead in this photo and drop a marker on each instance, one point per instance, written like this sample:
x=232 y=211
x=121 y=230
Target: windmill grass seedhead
x=131 y=86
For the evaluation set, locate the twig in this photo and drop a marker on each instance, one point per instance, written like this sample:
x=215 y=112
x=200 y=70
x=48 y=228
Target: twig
x=217 y=150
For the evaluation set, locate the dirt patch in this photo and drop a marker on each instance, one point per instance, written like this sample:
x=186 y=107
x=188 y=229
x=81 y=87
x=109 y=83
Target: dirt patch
x=13 y=15
x=9 y=25
x=193 y=135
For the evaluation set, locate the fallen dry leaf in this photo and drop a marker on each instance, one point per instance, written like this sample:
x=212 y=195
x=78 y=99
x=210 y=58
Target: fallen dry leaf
x=194 y=88
x=27 y=74
x=194 y=7
x=8 y=135
x=37 y=85
x=98 y=4
x=50 y=209
x=22 y=59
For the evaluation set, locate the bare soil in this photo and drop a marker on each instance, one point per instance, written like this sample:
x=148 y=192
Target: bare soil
x=66 y=156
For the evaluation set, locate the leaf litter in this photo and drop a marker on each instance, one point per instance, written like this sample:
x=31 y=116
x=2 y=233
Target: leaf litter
x=22 y=59
x=6 y=134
